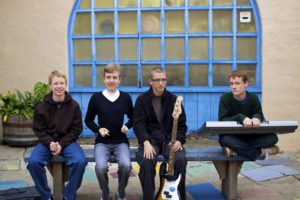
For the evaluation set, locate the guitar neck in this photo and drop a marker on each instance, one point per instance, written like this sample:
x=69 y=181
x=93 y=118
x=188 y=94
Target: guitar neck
x=172 y=153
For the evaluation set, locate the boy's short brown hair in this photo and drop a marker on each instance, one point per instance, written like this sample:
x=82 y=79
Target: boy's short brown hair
x=238 y=73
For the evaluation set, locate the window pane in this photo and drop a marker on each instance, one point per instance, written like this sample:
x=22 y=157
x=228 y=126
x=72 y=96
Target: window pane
x=246 y=48
x=146 y=73
x=127 y=23
x=99 y=75
x=174 y=22
x=198 y=2
x=83 y=23
x=129 y=75
x=245 y=26
x=243 y=2
x=85 y=4
x=198 y=75
x=198 y=48
x=104 y=23
x=198 y=20
x=82 y=49
x=127 y=3
x=222 y=2
x=175 y=75
x=150 y=3
x=174 y=2
x=250 y=70
x=105 y=49
x=151 y=49
x=128 y=49
x=151 y=22
x=174 y=48
x=222 y=21
x=104 y=4
x=220 y=75
x=222 y=48
x=83 y=75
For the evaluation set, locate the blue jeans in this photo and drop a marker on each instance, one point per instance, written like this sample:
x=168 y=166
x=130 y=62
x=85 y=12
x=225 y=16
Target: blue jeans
x=248 y=145
x=75 y=160
x=102 y=155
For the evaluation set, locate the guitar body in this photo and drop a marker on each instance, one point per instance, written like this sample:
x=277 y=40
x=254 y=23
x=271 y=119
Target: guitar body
x=168 y=189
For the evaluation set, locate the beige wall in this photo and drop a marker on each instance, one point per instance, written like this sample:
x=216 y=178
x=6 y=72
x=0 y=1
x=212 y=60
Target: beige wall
x=281 y=64
x=33 y=42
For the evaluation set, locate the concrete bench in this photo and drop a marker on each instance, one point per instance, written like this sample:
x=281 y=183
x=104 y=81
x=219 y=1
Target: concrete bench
x=228 y=168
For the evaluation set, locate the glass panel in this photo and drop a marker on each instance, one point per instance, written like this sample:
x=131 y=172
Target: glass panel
x=220 y=75
x=174 y=21
x=83 y=75
x=198 y=75
x=198 y=48
x=175 y=75
x=105 y=49
x=222 y=21
x=129 y=75
x=198 y=2
x=146 y=73
x=243 y=2
x=85 y=4
x=127 y=3
x=150 y=3
x=99 y=75
x=174 y=2
x=128 y=49
x=104 y=23
x=174 y=48
x=127 y=23
x=222 y=48
x=222 y=2
x=104 y=4
x=198 y=20
x=151 y=22
x=246 y=48
x=245 y=26
x=82 y=49
x=151 y=49
x=82 y=23
x=250 y=70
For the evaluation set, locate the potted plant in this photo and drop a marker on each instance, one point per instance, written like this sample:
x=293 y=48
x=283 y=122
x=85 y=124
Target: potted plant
x=17 y=109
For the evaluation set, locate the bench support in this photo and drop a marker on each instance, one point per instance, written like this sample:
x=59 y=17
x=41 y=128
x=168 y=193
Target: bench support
x=59 y=172
x=228 y=172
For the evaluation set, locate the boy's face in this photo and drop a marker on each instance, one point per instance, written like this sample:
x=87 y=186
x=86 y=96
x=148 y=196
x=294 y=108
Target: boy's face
x=158 y=81
x=112 y=81
x=58 y=86
x=238 y=86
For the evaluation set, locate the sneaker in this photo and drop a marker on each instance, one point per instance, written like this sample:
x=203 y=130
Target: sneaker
x=270 y=151
x=228 y=152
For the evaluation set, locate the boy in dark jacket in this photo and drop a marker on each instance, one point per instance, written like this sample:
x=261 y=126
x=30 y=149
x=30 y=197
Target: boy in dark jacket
x=152 y=123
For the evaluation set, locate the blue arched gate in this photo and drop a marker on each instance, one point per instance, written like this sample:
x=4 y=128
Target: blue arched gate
x=197 y=42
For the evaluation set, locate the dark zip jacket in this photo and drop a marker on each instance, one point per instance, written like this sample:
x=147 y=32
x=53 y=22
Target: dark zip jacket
x=57 y=121
x=147 y=126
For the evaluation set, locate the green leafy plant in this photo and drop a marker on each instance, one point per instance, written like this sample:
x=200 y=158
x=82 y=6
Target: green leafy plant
x=22 y=103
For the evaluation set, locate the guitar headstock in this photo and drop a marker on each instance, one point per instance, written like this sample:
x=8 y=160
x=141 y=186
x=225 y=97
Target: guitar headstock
x=177 y=107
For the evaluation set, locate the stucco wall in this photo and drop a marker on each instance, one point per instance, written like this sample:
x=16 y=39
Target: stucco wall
x=281 y=64
x=33 y=42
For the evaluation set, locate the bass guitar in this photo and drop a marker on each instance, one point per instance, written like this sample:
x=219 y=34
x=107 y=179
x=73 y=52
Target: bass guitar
x=168 y=183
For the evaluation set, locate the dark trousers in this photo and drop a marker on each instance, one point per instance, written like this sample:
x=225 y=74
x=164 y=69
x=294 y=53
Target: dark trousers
x=248 y=145
x=147 y=171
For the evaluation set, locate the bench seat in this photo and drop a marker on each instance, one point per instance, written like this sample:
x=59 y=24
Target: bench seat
x=228 y=168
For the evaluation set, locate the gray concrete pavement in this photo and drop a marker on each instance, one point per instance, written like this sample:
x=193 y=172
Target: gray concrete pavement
x=12 y=167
